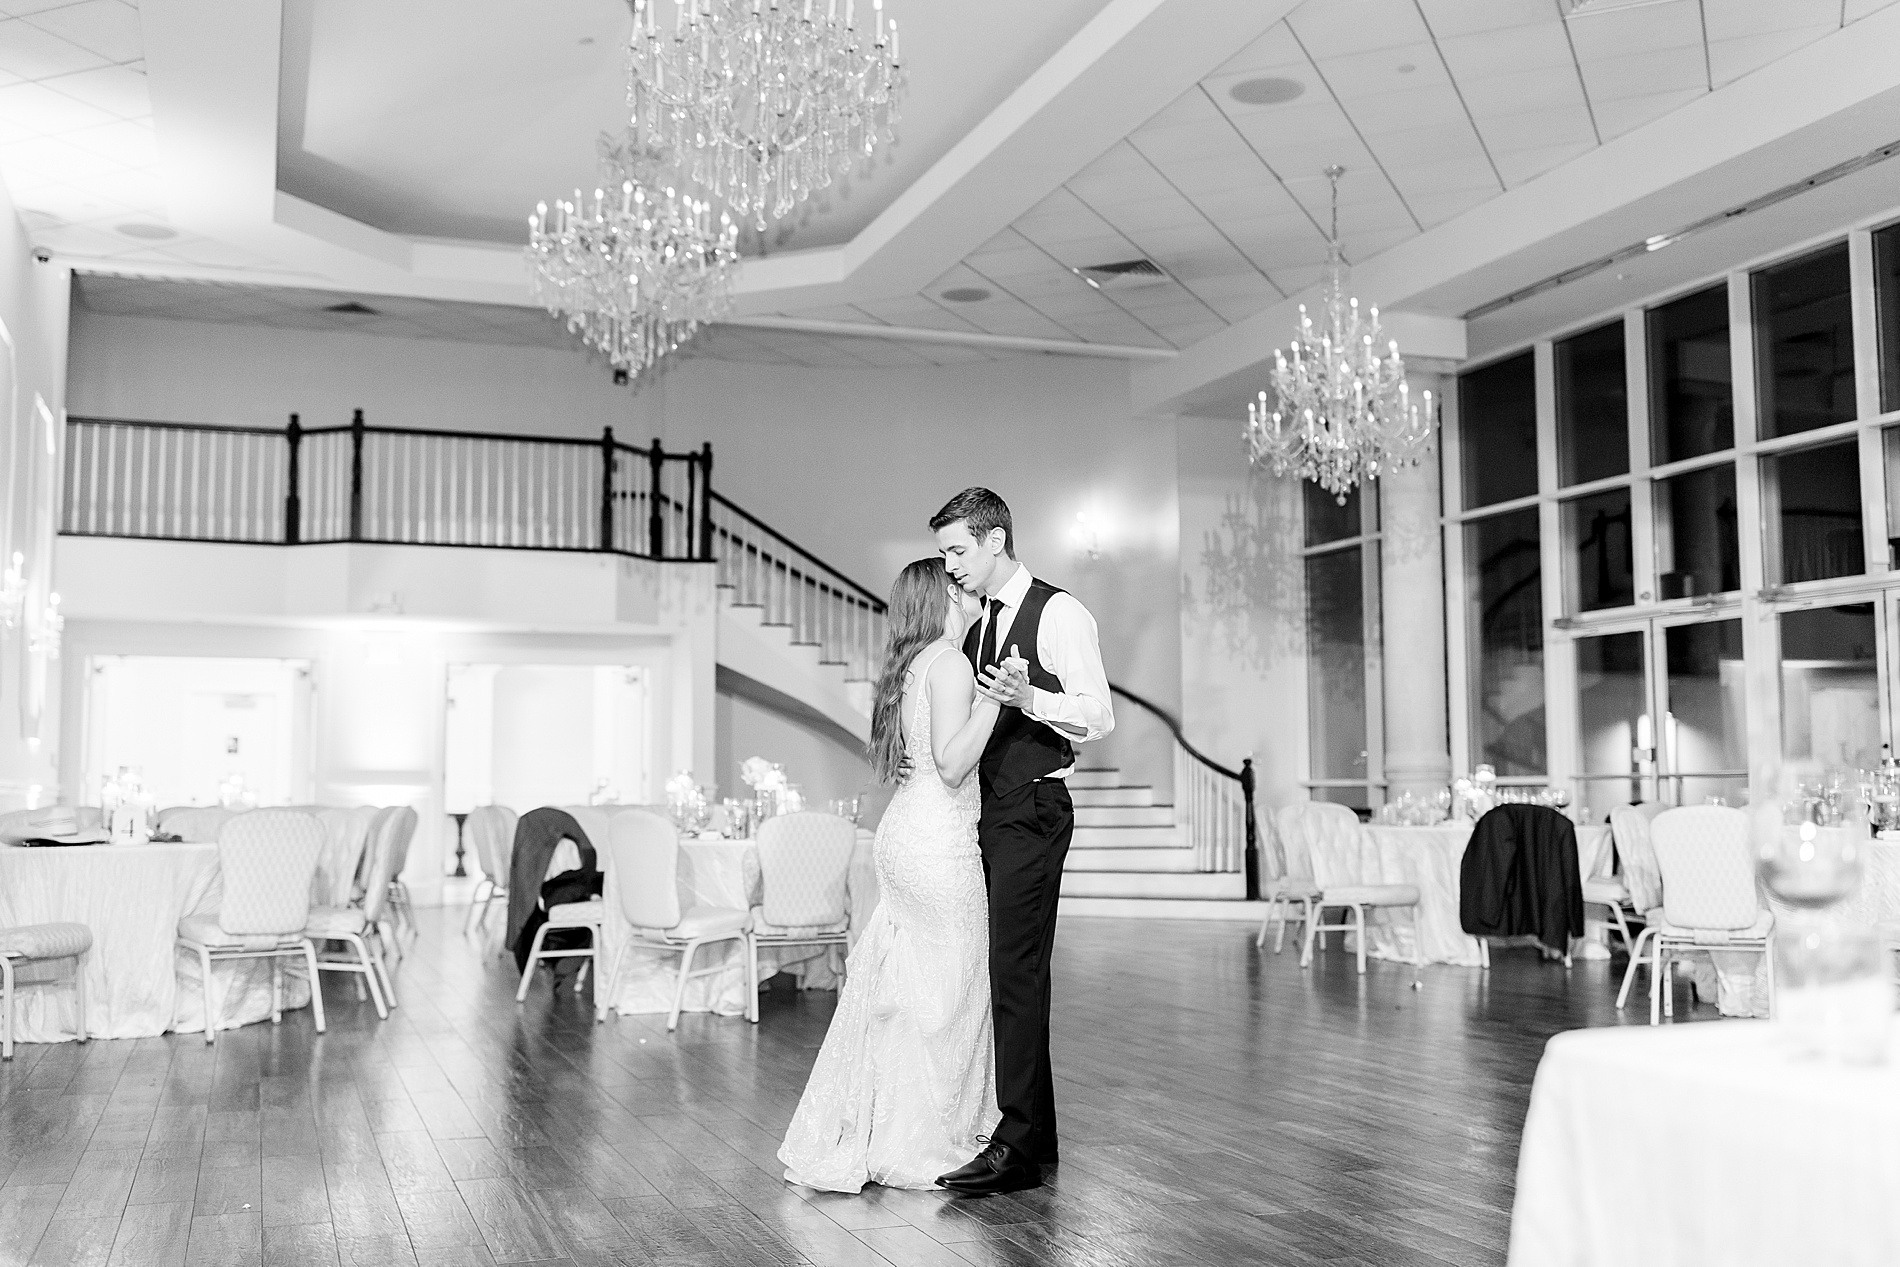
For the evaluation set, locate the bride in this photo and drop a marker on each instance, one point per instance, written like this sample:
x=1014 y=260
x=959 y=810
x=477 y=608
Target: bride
x=905 y=1082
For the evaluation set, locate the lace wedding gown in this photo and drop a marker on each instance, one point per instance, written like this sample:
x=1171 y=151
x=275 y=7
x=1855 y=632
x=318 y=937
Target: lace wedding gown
x=906 y=1081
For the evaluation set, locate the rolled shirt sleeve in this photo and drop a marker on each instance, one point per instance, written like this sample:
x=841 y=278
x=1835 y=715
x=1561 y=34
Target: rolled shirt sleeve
x=1068 y=646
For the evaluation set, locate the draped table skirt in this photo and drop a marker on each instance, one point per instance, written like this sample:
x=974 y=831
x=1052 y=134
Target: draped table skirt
x=1706 y=1144
x=724 y=873
x=138 y=983
x=1430 y=857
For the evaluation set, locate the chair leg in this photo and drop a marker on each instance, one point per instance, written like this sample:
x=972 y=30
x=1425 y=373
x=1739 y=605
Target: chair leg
x=276 y=990
x=580 y=978
x=1359 y=920
x=1656 y=984
x=604 y=987
x=477 y=905
x=1418 y=950
x=1623 y=930
x=679 y=987
x=1629 y=973
x=211 y=1022
x=751 y=949
x=79 y=994
x=385 y=940
x=1669 y=992
x=6 y=999
x=1260 y=938
x=534 y=957
x=1306 y=940
x=368 y=974
x=316 y=982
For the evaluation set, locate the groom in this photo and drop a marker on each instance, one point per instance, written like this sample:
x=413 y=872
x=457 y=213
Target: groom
x=1054 y=695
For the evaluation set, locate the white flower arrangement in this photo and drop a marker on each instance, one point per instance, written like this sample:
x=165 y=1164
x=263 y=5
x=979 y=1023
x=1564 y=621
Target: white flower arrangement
x=762 y=776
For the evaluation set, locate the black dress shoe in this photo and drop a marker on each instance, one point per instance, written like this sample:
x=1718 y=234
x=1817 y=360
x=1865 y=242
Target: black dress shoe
x=997 y=1169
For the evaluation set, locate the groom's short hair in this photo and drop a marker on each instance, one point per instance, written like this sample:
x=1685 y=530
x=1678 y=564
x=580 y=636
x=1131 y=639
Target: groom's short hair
x=982 y=512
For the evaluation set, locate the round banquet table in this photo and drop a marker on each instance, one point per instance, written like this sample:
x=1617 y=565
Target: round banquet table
x=138 y=983
x=716 y=872
x=1696 y=1144
x=1430 y=857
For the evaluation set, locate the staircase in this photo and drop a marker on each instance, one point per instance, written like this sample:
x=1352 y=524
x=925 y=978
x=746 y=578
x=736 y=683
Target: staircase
x=768 y=655
x=1130 y=857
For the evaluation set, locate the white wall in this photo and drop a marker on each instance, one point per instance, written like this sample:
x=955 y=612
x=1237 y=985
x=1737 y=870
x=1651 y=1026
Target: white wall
x=33 y=308
x=822 y=765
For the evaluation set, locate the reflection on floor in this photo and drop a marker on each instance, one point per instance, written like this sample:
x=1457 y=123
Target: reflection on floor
x=1219 y=1106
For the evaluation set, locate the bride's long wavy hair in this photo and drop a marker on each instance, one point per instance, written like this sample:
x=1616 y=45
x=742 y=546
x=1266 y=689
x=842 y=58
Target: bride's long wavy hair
x=920 y=599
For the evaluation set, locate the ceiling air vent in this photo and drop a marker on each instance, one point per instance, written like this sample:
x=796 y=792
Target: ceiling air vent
x=352 y=309
x=1123 y=275
x=1586 y=8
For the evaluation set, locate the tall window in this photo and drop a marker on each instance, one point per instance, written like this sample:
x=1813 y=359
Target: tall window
x=1691 y=388
x=1830 y=692
x=1505 y=612
x=1804 y=343
x=1341 y=570
x=1817 y=511
x=1597 y=541
x=1497 y=419
x=1698 y=549
x=1887 y=298
x=1592 y=406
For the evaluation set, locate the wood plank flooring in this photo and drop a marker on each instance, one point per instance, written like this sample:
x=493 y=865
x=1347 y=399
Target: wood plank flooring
x=1218 y=1105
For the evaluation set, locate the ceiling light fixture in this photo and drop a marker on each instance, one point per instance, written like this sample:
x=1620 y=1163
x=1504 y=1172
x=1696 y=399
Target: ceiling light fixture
x=640 y=270
x=1269 y=90
x=1345 y=413
x=766 y=101
x=964 y=294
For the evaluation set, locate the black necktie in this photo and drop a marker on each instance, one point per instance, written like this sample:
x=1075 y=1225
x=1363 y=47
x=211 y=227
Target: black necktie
x=986 y=653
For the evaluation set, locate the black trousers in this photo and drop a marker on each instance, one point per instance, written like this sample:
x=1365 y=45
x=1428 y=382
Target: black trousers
x=1024 y=836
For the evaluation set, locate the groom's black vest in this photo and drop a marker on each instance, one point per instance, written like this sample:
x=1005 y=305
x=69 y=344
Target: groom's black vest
x=1020 y=750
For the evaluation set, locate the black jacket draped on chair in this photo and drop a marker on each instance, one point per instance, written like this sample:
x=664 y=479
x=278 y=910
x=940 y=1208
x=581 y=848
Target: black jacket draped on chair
x=1519 y=877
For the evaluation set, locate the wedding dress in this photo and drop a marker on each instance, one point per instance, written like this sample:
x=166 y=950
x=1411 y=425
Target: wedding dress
x=905 y=1081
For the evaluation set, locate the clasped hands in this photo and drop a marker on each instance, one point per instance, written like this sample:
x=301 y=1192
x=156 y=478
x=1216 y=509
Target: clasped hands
x=1007 y=683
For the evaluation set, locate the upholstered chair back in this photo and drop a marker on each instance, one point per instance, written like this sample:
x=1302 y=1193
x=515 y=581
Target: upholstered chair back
x=643 y=858
x=804 y=859
x=268 y=858
x=1708 y=869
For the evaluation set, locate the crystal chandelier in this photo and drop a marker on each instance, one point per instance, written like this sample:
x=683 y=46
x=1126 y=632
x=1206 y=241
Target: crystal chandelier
x=640 y=270
x=768 y=98
x=1341 y=411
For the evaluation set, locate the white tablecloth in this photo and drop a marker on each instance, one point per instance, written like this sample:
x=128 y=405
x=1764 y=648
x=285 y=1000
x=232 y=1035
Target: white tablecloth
x=1706 y=1145
x=1430 y=857
x=138 y=983
x=725 y=873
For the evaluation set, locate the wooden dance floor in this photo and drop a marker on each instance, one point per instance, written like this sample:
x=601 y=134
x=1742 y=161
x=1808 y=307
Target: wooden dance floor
x=1218 y=1106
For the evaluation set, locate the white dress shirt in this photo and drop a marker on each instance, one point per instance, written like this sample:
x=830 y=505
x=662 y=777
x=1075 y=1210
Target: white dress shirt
x=1067 y=646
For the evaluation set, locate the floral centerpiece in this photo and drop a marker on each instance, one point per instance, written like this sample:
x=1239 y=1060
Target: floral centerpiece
x=686 y=802
x=771 y=789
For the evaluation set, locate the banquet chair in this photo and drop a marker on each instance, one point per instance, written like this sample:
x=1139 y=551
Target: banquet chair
x=195 y=823
x=267 y=859
x=804 y=870
x=643 y=860
x=360 y=924
x=591 y=914
x=402 y=914
x=493 y=827
x=1642 y=883
x=346 y=831
x=1710 y=901
x=1292 y=883
x=42 y=943
x=1324 y=835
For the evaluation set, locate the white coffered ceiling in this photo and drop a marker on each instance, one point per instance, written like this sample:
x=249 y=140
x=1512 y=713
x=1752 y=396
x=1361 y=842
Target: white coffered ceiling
x=388 y=149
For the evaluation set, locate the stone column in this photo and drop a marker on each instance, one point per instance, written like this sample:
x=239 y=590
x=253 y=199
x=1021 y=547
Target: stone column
x=1412 y=613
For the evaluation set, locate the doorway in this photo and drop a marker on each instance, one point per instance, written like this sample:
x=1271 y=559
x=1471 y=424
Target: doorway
x=200 y=730
x=1662 y=713
x=527 y=735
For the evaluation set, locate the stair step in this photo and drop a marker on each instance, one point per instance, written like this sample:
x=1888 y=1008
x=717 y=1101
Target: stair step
x=1124 y=815
x=1127 y=837
x=1095 y=776
x=1112 y=795
x=1151 y=884
x=1176 y=859
x=1241 y=912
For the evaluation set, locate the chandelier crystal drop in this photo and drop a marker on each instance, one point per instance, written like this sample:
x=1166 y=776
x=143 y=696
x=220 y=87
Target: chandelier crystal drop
x=636 y=271
x=1341 y=412
x=766 y=99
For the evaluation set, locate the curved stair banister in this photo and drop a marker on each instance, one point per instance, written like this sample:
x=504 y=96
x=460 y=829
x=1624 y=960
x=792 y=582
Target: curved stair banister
x=1215 y=803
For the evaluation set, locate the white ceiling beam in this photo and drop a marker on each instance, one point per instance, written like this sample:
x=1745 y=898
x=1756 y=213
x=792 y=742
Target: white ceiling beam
x=1822 y=104
x=960 y=338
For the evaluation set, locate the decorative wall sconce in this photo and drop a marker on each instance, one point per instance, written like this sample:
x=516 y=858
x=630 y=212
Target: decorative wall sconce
x=1087 y=539
x=13 y=591
x=52 y=624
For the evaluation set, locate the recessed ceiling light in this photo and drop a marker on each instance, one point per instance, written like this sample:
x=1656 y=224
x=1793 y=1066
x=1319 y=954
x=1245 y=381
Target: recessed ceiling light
x=587 y=39
x=1406 y=68
x=964 y=294
x=150 y=232
x=1266 y=92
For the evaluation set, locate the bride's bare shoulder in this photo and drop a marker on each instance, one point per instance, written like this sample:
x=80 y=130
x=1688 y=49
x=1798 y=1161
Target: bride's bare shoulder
x=949 y=667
